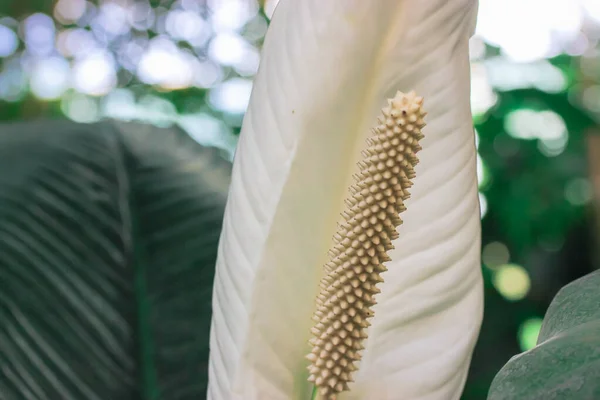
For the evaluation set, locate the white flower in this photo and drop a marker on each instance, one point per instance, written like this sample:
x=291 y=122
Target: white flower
x=327 y=69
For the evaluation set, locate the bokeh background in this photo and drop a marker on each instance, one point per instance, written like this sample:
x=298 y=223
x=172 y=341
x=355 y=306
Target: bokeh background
x=190 y=63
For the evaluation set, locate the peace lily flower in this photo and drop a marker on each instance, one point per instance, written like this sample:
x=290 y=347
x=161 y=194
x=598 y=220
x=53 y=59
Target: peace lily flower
x=327 y=70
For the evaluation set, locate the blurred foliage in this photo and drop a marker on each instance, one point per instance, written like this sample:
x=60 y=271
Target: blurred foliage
x=167 y=62
x=108 y=241
x=538 y=218
x=531 y=120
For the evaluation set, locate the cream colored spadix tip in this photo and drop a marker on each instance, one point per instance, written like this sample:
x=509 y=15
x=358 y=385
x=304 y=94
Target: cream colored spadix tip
x=361 y=243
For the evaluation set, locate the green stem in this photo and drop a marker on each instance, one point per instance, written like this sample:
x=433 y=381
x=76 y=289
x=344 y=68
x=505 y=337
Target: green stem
x=314 y=393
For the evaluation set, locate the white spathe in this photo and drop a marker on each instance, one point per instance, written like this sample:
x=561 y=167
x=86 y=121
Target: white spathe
x=327 y=69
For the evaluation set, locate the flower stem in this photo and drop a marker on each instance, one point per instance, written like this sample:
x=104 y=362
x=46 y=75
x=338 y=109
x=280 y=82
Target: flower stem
x=315 y=393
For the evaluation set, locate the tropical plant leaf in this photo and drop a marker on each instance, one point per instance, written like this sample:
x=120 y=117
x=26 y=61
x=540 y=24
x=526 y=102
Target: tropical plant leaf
x=108 y=239
x=565 y=364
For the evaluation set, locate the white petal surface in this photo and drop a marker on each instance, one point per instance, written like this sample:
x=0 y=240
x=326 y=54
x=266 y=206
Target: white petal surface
x=327 y=68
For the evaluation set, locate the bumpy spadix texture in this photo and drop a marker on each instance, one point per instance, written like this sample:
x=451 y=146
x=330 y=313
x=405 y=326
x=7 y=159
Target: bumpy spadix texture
x=347 y=291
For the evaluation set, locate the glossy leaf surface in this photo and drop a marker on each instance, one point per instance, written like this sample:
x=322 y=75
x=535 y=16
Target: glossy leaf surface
x=108 y=238
x=565 y=364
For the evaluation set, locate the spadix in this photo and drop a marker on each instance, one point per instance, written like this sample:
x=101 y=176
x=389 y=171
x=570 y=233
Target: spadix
x=347 y=292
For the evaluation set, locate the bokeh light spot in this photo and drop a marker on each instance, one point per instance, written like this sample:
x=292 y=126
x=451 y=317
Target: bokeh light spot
x=207 y=74
x=495 y=254
x=511 y=281
x=547 y=126
x=166 y=65
x=529 y=332
x=80 y=108
x=141 y=16
x=50 y=78
x=532 y=34
x=483 y=96
x=189 y=26
x=232 y=96
x=159 y=111
x=232 y=15
x=39 y=34
x=227 y=48
x=112 y=19
x=119 y=104
x=69 y=11
x=96 y=74
x=477 y=48
x=591 y=98
x=76 y=43
x=9 y=42
x=209 y=131
x=578 y=191
x=483 y=206
x=483 y=175
x=506 y=75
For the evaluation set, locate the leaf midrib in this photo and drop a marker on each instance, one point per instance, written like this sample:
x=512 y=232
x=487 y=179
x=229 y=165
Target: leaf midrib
x=136 y=258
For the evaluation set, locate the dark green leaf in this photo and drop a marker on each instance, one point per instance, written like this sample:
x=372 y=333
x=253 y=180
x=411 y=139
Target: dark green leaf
x=566 y=362
x=108 y=240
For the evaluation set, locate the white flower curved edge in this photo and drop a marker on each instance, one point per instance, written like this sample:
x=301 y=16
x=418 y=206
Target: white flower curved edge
x=327 y=69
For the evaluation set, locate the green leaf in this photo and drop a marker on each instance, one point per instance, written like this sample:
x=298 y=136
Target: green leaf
x=108 y=240
x=565 y=364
